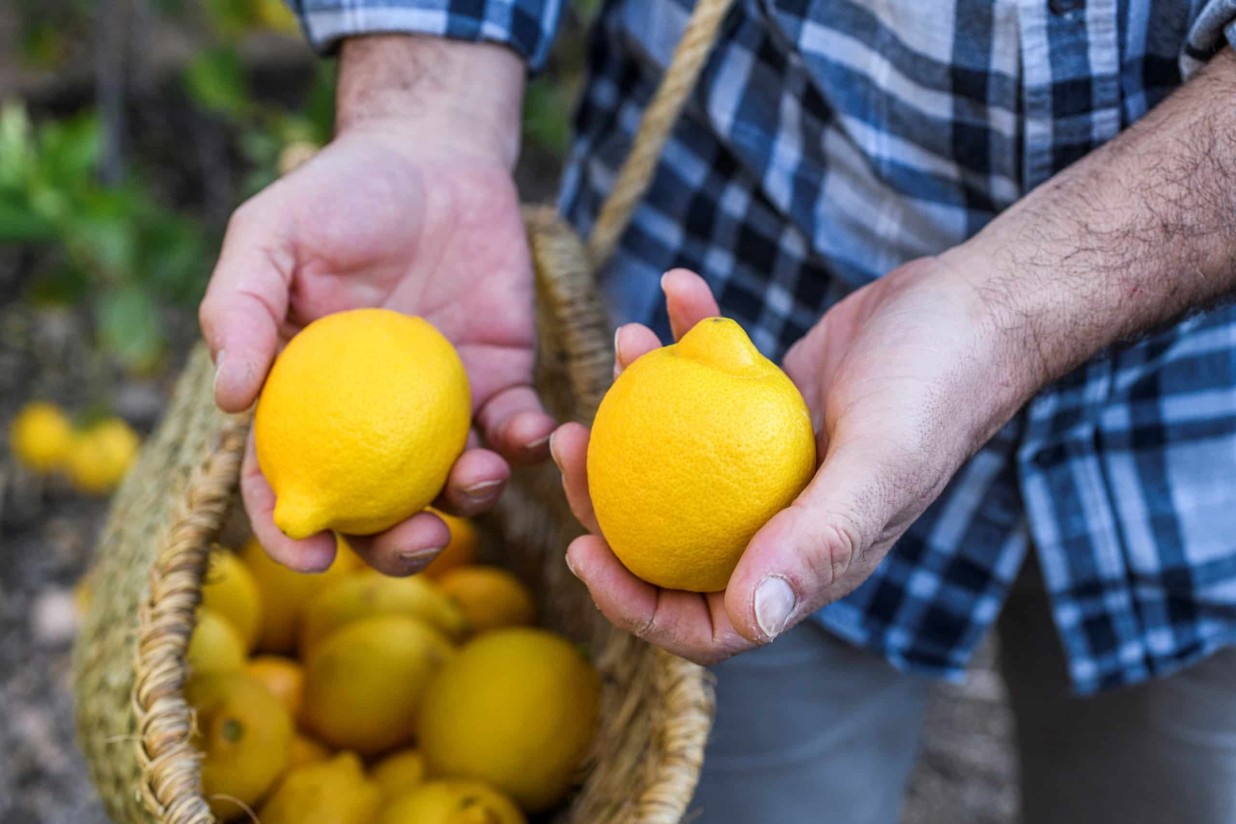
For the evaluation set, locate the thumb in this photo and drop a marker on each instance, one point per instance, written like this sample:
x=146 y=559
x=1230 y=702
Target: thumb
x=814 y=551
x=246 y=304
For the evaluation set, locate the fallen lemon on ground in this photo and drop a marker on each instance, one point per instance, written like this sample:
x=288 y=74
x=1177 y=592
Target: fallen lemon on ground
x=230 y=591
x=100 y=457
x=452 y=802
x=359 y=422
x=245 y=736
x=694 y=448
x=40 y=437
x=515 y=708
x=490 y=598
x=329 y=792
x=363 y=682
x=215 y=646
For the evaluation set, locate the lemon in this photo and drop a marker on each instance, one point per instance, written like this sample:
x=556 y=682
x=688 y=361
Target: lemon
x=515 y=708
x=364 y=681
x=285 y=592
x=359 y=422
x=306 y=751
x=694 y=448
x=329 y=792
x=100 y=457
x=490 y=598
x=367 y=594
x=398 y=773
x=244 y=735
x=215 y=646
x=41 y=437
x=452 y=802
x=231 y=592
x=283 y=677
x=462 y=549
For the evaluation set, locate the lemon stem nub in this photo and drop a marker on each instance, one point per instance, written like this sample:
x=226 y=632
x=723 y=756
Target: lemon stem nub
x=296 y=516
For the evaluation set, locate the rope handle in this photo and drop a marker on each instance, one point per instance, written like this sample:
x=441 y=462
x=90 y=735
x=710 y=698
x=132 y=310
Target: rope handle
x=655 y=126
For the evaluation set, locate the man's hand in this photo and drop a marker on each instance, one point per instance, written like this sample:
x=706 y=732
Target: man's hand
x=904 y=381
x=411 y=207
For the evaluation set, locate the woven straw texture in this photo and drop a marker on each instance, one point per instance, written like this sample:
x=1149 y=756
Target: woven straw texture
x=133 y=722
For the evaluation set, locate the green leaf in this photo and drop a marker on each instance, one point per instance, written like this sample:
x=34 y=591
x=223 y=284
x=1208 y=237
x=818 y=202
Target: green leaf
x=129 y=327
x=215 y=81
x=20 y=224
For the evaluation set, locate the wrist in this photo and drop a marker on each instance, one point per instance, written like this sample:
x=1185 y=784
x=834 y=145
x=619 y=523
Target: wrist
x=426 y=89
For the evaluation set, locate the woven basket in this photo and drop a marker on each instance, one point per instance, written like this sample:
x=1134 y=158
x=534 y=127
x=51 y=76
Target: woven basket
x=133 y=722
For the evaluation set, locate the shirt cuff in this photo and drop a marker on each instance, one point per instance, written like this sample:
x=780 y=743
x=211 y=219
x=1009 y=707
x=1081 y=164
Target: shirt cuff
x=526 y=26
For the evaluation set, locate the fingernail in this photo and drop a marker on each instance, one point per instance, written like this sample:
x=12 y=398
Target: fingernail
x=481 y=491
x=538 y=443
x=570 y=566
x=553 y=453
x=219 y=367
x=774 y=601
x=617 y=338
x=419 y=557
x=664 y=275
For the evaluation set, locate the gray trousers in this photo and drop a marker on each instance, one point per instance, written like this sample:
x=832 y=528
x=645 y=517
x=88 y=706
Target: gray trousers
x=810 y=729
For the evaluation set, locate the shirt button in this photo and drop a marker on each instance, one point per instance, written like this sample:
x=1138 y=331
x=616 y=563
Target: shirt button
x=1063 y=7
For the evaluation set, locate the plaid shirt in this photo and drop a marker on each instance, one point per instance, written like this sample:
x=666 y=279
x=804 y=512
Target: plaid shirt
x=831 y=140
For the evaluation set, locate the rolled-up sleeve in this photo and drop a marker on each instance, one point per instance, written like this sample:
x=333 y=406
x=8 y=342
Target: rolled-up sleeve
x=526 y=26
x=1213 y=27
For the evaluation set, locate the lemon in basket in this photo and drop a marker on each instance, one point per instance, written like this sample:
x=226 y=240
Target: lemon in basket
x=364 y=681
x=399 y=772
x=366 y=594
x=461 y=551
x=284 y=593
x=215 y=645
x=452 y=802
x=230 y=591
x=305 y=750
x=359 y=422
x=694 y=448
x=328 y=792
x=515 y=708
x=283 y=678
x=245 y=736
x=490 y=598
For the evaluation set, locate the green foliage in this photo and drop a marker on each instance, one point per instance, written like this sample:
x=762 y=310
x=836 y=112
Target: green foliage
x=113 y=248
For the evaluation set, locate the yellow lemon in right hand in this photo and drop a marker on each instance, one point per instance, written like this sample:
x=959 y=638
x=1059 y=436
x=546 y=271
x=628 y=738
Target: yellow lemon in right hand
x=328 y=792
x=516 y=708
x=364 y=682
x=452 y=802
x=359 y=422
x=694 y=448
x=41 y=437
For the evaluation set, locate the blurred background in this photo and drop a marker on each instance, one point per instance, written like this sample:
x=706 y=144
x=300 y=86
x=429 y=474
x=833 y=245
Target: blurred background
x=129 y=130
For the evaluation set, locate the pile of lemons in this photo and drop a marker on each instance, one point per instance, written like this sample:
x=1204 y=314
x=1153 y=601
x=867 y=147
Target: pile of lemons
x=350 y=697
x=94 y=458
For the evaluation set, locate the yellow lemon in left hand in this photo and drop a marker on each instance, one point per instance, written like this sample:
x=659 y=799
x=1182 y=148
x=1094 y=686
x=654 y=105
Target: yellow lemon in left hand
x=361 y=418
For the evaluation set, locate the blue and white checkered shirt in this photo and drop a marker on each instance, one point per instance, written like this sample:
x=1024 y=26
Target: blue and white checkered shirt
x=831 y=140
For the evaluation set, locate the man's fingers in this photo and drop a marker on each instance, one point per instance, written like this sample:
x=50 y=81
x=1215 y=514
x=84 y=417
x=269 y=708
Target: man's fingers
x=475 y=482
x=818 y=549
x=687 y=624
x=245 y=306
x=516 y=425
x=632 y=341
x=687 y=299
x=569 y=446
x=407 y=547
x=314 y=554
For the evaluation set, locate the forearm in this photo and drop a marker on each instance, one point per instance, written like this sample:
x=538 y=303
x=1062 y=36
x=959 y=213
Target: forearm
x=1132 y=237
x=422 y=87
